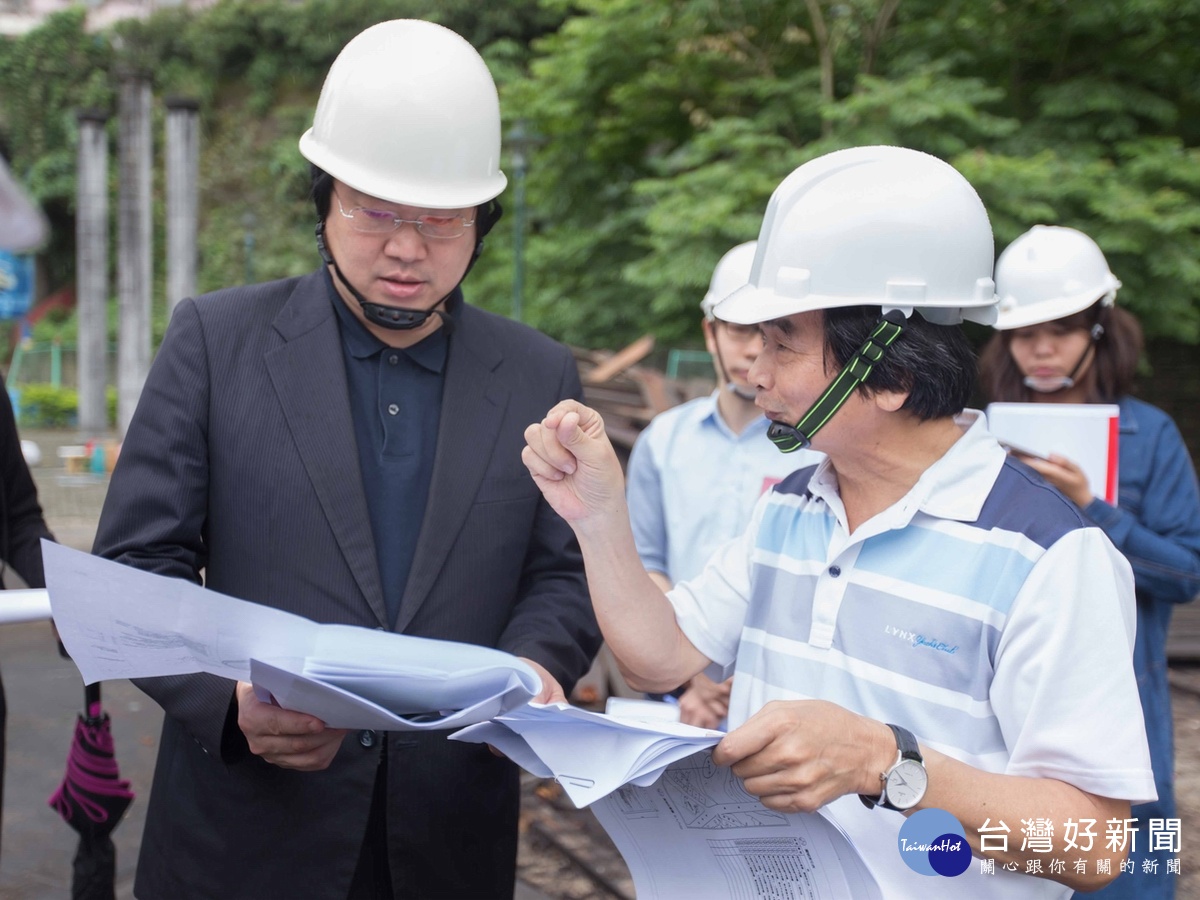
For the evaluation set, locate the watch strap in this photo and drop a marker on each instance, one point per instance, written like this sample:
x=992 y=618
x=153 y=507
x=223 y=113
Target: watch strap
x=906 y=743
x=906 y=748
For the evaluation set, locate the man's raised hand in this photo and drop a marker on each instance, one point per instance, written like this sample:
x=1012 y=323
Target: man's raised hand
x=572 y=462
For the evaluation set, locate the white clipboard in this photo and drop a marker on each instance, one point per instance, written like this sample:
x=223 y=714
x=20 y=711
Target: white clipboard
x=1088 y=434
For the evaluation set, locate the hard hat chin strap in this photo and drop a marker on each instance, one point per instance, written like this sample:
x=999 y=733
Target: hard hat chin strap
x=789 y=438
x=390 y=317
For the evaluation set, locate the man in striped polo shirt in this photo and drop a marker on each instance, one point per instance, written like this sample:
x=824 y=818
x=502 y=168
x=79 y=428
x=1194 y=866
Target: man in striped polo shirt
x=919 y=622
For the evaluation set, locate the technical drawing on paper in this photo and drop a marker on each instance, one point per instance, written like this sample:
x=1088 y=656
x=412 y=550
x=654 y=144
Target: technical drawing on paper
x=701 y=794
x=756 y=868
x=725 y=844
x=632 y=802
x=705 y=795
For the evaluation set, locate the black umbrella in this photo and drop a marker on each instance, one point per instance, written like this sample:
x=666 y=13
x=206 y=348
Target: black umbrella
x=92 y=799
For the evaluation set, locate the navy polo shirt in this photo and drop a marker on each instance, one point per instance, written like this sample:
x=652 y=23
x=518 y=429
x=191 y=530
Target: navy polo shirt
x=396 y=404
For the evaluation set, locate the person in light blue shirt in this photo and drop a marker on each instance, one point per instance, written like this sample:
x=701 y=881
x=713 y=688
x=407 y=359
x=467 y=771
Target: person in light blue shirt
x=1060 y=338
x=698 y=469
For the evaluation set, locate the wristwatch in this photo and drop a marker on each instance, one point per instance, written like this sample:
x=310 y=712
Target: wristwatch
x=905 y=782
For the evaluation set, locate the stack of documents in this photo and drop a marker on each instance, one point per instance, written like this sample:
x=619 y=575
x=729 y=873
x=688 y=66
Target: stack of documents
x=698 y=834
x=589 y=754
x=685 y=826
x=120 y=622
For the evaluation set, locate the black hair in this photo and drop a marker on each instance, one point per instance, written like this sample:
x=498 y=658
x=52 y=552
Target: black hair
x=934 y=364
x=321 y=190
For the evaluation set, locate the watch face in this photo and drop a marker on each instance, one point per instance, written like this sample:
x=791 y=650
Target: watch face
x=906 y=784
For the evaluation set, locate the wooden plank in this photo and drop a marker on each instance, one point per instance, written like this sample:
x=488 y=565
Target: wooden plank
x=621 y=360
x=607 y=394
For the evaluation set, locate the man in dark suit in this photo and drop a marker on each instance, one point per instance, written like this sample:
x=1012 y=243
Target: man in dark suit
x=346 y=446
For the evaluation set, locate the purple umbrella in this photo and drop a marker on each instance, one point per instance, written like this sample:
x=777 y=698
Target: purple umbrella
x=92 y=799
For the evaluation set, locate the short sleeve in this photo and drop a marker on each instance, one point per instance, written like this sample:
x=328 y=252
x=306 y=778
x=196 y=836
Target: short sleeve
x=1064 y=689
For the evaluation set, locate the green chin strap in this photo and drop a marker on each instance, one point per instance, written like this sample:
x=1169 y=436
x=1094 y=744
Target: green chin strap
x=790 y=438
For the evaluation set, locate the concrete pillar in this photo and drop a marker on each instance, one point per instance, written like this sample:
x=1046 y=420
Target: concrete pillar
x=134 y=245
x=91 y=271
x=183 y=172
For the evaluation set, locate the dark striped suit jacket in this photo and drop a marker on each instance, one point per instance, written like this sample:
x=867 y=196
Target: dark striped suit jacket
x=240 y=463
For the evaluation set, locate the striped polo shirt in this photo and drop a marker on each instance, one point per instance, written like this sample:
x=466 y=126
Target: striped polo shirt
x=981 y=611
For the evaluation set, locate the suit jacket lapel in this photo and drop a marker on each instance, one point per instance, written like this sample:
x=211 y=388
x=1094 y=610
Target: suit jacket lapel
x=309 y=376
x=473 y=404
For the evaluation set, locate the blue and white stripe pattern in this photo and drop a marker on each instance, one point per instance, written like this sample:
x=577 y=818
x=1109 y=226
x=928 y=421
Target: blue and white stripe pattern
x=912 y=622
x=981 y=611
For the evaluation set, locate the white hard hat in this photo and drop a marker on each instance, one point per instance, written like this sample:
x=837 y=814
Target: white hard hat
x=731 y=272
x=871 y=226
x=1050 y=272
x=409 y=114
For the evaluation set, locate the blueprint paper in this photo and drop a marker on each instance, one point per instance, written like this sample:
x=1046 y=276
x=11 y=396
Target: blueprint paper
x=590 y=754
x=289 y=686
x=697 y=833
x=120 y=622
x=685 y=826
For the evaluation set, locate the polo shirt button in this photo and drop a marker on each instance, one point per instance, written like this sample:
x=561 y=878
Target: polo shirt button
x=393 y=408
x=835 y=571
x=366 y=737
x=394 y=358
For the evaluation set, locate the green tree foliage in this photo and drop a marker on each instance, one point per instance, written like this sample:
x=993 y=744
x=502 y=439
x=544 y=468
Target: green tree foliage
x=256 y=68
x=1104 y=95
x=44 y=78
x=663 y=126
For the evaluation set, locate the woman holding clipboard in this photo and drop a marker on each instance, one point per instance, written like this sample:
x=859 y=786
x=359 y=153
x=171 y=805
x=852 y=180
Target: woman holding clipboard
x=1060 y=338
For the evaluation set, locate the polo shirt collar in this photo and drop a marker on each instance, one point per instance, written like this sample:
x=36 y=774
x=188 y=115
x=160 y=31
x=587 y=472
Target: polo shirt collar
x=429 y=353
x=955 y=487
